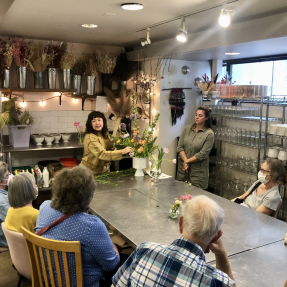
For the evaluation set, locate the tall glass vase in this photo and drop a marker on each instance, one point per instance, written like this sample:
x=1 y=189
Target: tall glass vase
x=156 y=172
x=80 y=138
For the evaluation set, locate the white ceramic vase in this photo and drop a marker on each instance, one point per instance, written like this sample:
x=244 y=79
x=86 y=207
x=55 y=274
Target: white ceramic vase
x=139 y=164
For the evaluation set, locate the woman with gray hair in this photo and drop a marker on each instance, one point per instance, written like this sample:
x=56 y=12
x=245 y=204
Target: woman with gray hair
x=22 y=190
x=263 y=195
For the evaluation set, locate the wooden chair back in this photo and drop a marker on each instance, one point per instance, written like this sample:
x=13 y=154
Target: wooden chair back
x=275 y=213
x=41 y=265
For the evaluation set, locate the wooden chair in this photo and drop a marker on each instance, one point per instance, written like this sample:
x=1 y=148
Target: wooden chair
x=275 y=213
x=36 y=244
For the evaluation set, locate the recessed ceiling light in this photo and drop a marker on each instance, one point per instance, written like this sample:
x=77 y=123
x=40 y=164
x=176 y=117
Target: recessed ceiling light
x=89 y=25
x=132 y=6
x=232 y=53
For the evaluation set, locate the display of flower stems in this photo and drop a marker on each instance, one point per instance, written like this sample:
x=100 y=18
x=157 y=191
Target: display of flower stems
x=207 y=84
x=143 y=145
x=124 y=69
x=68 y=59
x=117 y=175
x=106 y=61
x=90 y=65
x=12 y=114
x=57 y=51
x=40 y=59
x=22 y=51
x=79 y=67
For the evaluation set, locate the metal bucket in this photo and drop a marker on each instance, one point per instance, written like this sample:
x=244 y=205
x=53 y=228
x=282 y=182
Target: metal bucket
x=67 y=78
x=90 y=85
x=38 y=80
x=6 y=78
x=21 y=77
x=77 y=83
x=52 y=72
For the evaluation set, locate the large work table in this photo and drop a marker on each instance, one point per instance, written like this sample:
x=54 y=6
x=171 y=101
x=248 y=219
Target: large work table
x=137 y=211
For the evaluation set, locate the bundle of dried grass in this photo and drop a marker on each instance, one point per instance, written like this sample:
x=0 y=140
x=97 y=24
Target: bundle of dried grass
x=22 y=51
x=6 y=50
x=91 y=65
x=79 y=67
x=40 y=60
x=68 y=59
x=106 y=61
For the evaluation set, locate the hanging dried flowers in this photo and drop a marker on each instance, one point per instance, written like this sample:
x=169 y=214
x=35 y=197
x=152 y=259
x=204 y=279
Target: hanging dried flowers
x=106 y=61
x=22 y=51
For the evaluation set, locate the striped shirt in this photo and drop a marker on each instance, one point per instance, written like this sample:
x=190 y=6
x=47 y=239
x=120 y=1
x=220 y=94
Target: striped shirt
x=180 y=264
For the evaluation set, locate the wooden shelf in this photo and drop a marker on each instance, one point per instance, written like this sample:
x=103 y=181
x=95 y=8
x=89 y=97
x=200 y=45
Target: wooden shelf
x=11 y=90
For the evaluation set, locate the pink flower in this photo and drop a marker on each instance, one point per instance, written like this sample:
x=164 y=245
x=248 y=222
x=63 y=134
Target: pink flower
x=165 y=150
x=185 y=197
x=182 y=197
x=76 y=124
x=174 y=160
x=80 y=128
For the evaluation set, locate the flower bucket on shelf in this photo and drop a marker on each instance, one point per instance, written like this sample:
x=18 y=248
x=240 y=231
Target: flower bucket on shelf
x=139 y=164
x=19 y=136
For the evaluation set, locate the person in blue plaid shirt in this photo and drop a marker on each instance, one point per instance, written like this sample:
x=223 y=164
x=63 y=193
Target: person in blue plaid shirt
x=183 y=262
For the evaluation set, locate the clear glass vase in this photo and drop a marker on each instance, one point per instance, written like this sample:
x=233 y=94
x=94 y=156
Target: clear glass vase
x=174 y=214
x=156 y=172
x=80 y=138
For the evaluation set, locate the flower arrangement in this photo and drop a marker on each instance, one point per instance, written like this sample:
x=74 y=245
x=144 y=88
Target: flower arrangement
x=68 y=60
x=226 y=81
x=143 y=145
x=6 y=49
x=106 y=61
x=161 y=153
x=80 y=130
x=57 y=51
x=207 y=84
x=90 y=65
x=174 y=208
x=22 y=51
x=40 y=60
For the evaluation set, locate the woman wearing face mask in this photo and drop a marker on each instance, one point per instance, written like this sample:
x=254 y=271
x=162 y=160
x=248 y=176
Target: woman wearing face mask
x=265 y=198
x=22 y=191
x=194 y=146
x=98 y=149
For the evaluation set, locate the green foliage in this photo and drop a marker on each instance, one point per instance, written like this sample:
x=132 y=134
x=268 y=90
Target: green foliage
x=106 y=177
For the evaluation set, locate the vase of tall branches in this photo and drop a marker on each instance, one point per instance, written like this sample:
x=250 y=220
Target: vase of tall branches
x=91 y=72
x=67 y=64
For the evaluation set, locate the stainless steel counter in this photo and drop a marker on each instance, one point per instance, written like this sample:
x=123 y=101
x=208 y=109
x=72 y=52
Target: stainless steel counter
x=261 y=267
x=138 y=211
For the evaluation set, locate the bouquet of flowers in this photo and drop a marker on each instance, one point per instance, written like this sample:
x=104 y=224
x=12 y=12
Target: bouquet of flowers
x=174 y=208
x=143 y=145
x=207 y=84
x=56 y=52
x=22 y=52
x=80 y=130
x=6 y=48
x=157 y=163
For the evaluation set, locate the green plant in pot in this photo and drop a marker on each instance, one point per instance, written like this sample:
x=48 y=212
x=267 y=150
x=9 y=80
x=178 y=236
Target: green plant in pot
x=19 y=123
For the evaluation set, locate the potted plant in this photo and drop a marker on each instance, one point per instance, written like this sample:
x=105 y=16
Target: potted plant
x=19 y=123
x=78 y=71
x=143 y=145
x=22 y=51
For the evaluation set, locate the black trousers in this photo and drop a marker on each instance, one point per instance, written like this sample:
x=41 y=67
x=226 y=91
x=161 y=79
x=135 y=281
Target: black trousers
x=109 y=275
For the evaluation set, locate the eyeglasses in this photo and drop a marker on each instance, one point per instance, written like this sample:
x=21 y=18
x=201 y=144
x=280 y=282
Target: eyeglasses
x=264 y=171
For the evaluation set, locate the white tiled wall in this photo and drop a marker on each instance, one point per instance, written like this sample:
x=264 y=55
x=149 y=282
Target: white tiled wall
x=59 y=121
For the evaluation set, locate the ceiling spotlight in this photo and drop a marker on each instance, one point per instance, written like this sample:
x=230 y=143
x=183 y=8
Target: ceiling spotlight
x=182 y=36
x=232 y=53
x=89 y=25
x=132 y=6
x=225 y=17
x=147 y=40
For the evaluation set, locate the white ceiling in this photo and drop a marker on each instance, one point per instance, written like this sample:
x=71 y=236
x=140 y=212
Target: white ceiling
x=61 y=19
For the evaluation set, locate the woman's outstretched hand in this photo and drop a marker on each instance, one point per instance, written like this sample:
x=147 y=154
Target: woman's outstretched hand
x=128 y=149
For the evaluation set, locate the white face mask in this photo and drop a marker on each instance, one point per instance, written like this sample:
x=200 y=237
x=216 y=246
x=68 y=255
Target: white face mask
x=262 y=177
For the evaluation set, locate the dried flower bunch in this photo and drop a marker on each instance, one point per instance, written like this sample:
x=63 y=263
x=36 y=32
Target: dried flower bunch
x=57 y=51
x=206 y=84
x=22 y=51
x=6 y=48
x=91 y=65
x=79 y=67
x=68 y=59
x=40 y=59
x=106 y=61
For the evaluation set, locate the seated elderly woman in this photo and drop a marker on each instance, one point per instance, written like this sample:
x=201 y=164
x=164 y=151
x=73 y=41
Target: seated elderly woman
x=22 y=190
x=72 y=192
x=263 y=195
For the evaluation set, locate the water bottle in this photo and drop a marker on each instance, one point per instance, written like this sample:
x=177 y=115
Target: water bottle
x=46 y=177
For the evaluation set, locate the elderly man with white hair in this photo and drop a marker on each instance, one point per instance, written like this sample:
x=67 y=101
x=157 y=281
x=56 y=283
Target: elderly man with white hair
x=183 y=262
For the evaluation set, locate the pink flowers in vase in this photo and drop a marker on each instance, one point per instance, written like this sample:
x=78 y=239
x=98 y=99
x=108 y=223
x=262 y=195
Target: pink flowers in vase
x=80 y=130
x=185 y=197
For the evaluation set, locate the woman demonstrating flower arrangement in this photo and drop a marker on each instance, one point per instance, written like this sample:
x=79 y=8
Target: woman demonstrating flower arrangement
x=98 y=148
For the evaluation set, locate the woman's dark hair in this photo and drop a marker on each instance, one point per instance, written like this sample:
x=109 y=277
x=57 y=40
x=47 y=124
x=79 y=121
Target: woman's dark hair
x=89 y=127
x=73 y=189
x=207 y=112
